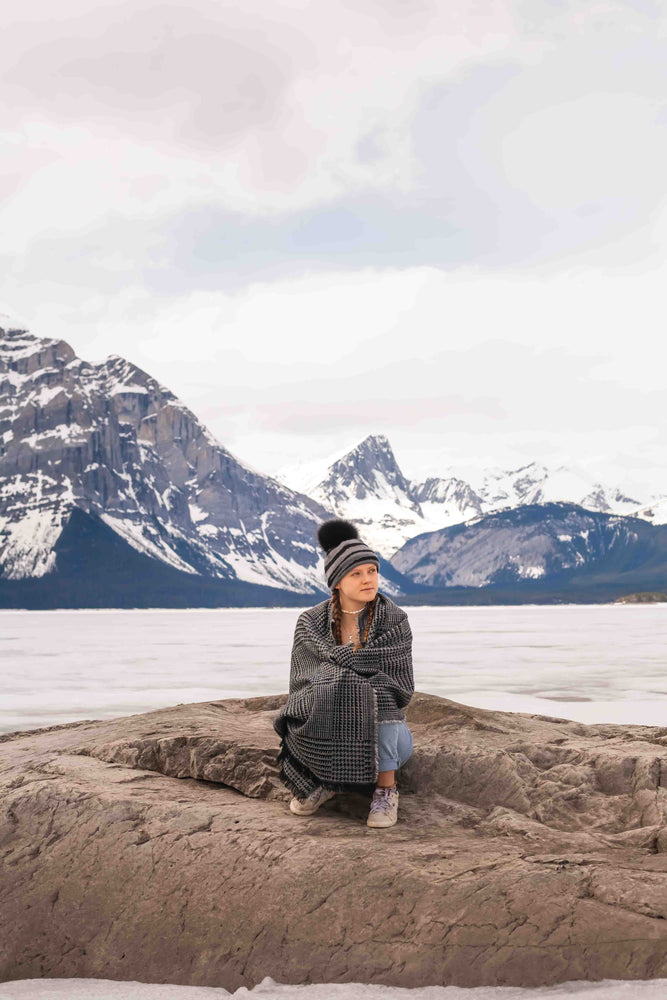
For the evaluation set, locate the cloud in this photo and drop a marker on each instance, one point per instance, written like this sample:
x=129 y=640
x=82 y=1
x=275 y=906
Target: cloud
x=197 y=76
x=513 y=169
x=491 y=387
x=234 y=195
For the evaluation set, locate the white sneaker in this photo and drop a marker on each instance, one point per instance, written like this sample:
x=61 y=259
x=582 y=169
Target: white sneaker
x=306 y=807
x=384 y=808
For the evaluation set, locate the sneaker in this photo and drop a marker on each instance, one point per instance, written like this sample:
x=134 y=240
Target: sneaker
x=306 y=807
x=384 y=808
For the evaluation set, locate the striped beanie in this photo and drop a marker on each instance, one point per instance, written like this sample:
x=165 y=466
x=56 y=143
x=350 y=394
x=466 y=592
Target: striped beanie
x=343 y=550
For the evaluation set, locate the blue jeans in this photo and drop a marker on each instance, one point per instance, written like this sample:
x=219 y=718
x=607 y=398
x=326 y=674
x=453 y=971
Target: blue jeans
x=394 y=745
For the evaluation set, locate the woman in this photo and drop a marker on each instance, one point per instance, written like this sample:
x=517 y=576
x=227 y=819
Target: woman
x=343 y=726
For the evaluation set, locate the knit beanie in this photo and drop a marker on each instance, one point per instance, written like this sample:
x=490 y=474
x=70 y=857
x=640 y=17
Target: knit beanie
x=344 y=550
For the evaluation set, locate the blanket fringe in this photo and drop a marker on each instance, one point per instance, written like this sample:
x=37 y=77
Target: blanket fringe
x=335 y=786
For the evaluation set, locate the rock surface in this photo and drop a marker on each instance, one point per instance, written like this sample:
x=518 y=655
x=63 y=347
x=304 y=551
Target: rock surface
x=528 y=851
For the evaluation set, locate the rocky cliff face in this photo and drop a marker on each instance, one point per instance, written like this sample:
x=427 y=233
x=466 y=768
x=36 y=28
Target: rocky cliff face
x=110 y=440
x=528 y=851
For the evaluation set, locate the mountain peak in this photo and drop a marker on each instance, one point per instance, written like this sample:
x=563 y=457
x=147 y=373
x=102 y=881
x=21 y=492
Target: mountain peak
x=375 y=441
x=360 y=467
x=366 y=485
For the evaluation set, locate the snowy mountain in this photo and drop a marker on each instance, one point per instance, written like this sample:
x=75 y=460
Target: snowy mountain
x=366 y=485
x=107 y=480
x=446 y=501
x=109 y=440
x=536 y=542
x=535 y=483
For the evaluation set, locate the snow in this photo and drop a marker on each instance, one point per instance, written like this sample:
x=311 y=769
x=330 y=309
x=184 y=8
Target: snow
x=197 y=513
x=65 y=433
x=208 y=530
x=26 y=544
x=134 y=535
x=304 y=477
x=45 y=394
x=590 y=663
x=118 y=390
x=656 y=512
x=274 y=570
x=32 y=484
x=270 y=989
x=385 y=520
x=532 y=572
x=16 y=379
x=387 y=516
x=441 y=515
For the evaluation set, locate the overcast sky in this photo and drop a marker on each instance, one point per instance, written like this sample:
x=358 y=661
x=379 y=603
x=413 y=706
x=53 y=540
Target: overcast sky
x=441 y=221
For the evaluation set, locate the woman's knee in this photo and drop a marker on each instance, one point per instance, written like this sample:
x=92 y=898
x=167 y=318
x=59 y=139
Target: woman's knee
x=394 y=746
x=405 y=745
x=388 y=746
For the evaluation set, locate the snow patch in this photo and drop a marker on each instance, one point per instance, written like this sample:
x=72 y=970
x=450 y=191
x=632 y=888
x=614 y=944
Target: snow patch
x=134 y=535
x=119 y=390
x=66 y=433
x=26 y=543
x=197 y=513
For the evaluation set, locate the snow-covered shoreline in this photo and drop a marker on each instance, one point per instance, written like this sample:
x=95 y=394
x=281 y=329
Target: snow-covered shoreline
x=268 y=989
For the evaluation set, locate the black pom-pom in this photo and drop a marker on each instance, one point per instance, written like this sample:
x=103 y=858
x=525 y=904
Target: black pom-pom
x=332 y=533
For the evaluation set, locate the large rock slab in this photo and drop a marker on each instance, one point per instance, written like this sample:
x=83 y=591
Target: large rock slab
x=528 y=851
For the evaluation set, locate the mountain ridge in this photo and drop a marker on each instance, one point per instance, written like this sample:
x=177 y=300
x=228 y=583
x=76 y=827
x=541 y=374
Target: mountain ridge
x=110 y=439
x=367 y=485
x=109 y=443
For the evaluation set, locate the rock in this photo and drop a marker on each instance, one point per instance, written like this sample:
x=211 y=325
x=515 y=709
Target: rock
x=528 y=851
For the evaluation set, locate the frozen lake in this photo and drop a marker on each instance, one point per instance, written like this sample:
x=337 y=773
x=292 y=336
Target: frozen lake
x=593 y=663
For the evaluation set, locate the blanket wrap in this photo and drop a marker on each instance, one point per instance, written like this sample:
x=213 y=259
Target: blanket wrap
x=338 y=696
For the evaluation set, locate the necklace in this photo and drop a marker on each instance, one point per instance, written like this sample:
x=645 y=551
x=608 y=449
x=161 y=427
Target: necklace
x=351 y=612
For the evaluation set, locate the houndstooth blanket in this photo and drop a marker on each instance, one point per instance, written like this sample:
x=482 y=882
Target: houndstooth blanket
x=337 y=696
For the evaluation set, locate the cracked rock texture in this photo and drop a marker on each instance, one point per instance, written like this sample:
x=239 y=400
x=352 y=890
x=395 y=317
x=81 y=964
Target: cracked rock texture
x=159 y=847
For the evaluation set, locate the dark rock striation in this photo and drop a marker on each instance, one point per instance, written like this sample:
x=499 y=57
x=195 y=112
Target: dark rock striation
x=528 y=851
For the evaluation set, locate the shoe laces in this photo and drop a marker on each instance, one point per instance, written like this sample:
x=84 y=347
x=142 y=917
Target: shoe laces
x=383 y=800
x=316 y=795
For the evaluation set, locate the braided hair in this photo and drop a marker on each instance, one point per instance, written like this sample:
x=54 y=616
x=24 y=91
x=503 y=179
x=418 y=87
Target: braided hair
x=338 y=618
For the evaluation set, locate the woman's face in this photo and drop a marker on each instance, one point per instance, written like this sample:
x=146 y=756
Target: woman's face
x=361 y=583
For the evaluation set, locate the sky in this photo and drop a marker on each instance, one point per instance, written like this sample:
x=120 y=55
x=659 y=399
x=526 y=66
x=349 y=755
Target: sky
x=440 y=221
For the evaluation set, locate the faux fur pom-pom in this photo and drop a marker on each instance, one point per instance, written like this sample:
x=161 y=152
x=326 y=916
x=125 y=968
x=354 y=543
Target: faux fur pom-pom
x=332 y=533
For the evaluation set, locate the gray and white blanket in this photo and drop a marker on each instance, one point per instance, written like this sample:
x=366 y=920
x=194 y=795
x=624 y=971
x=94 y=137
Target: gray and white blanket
x=337 y=697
